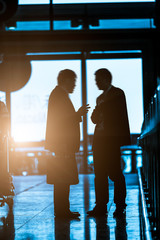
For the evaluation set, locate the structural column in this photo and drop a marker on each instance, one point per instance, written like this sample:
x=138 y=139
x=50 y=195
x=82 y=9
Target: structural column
x=84 y=102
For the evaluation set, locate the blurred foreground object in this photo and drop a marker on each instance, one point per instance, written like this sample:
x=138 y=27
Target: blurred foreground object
x=15 y=73
x=7 y=9
x=6 y=185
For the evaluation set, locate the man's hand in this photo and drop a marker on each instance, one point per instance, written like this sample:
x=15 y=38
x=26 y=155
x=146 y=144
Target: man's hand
x=83 y=110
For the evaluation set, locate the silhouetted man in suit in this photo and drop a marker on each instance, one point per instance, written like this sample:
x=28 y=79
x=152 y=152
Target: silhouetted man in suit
x=111 y=132
x=63 y=138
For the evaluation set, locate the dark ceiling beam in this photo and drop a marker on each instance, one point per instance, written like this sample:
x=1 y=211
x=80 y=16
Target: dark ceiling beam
x=59 y=41
x=94 y=10
x=78 y=56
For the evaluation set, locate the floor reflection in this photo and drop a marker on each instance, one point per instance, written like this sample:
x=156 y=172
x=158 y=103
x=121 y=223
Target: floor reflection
x=34 y=219
x=120 y=229
x=102 y=229
x=62 y=228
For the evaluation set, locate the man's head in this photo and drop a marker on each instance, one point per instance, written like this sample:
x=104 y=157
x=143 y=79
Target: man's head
x=103 y=78
x=67 y=79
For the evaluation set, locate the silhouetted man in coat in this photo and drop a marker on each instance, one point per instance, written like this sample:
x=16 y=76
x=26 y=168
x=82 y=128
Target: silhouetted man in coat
x=63 y=138
x=111 y=132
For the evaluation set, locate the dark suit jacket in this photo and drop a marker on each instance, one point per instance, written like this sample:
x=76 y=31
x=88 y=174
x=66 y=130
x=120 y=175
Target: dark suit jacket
x=115 y=119
x=62 y=130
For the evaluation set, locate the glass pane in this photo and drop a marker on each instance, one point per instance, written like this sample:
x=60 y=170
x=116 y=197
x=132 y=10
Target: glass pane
x=124 y=24
x=95 y=1
x=51 y=53
x=118 y=51
x=64 y=25
x=127 y=75
x=78 y=1
x=31 y=26
x=29 y=104
x=33 y=2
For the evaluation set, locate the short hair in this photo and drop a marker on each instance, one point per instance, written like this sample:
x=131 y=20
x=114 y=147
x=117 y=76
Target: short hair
x=104 y=73
x=65 y=74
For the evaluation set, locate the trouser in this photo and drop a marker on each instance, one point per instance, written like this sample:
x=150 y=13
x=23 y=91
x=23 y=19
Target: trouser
x=107 y=164
x=61 y=198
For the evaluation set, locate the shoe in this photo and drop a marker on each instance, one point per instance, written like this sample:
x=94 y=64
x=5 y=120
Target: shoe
x=120 y=211
x=97 y=211
x=68 y=215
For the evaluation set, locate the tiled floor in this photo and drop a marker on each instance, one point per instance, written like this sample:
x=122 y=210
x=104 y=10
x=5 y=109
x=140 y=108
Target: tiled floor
x=32 y=217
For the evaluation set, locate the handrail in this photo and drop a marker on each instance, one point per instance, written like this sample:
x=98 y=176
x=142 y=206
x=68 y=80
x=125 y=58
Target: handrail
x=148 y=235
x=152 y=116
x=149 y=141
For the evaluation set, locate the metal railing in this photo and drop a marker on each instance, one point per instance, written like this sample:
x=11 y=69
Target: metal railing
x=149 y=140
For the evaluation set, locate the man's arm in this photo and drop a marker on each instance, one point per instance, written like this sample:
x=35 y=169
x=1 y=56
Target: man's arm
x=96 y=113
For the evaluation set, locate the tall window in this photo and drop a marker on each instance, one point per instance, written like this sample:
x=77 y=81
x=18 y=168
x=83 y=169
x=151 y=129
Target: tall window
x=127 y=75
x=29 y=104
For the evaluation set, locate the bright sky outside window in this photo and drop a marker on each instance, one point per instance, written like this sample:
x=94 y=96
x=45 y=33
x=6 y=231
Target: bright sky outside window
x=2 y=96
x=127 y=74
x=101 y=1
x=29 y=104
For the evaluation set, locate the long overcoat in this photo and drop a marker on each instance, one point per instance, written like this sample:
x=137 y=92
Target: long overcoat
x=62 y=137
